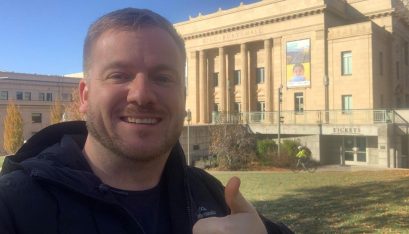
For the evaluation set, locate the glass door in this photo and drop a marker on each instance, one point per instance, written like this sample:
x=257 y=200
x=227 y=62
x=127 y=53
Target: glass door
x=355 y=150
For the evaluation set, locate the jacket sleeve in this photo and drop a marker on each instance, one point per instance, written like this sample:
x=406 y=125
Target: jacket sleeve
x=275 y=227
x=6 y=221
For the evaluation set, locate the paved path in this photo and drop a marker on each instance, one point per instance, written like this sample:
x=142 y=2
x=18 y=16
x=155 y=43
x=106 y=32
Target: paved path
x=354 y=168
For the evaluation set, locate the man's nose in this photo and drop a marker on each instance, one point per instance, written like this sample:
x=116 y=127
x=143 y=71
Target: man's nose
x=141 y=91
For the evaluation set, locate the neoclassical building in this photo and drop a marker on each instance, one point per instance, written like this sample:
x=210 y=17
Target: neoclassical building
x=335 y=71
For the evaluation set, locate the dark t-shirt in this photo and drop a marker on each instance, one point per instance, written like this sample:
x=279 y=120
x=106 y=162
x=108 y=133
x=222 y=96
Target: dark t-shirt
x=149 y=207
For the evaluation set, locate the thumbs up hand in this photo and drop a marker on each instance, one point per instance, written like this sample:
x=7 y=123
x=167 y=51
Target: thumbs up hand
x=242 y=220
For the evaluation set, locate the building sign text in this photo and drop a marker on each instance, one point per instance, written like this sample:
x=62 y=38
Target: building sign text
x=233 y=35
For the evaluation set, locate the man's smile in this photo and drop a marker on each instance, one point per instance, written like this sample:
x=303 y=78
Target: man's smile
x=135 y=120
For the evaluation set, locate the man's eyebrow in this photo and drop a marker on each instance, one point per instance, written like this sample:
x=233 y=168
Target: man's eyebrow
x=117 y=64
x=164 y=67
x=156 y=68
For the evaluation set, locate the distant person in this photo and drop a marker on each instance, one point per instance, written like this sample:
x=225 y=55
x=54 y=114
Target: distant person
x=298 y=73
x=302 y=153
x=123 y=171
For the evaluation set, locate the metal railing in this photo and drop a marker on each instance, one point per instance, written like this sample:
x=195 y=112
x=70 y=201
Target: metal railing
x=311 y=117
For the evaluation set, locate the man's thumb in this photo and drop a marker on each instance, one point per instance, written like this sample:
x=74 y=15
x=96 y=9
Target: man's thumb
x=234 y=199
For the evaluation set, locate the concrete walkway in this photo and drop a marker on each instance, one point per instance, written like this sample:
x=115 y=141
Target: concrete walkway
x=354 y=168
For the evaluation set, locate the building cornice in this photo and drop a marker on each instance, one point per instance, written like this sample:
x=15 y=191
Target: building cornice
x=380 y=14
x=256 y=23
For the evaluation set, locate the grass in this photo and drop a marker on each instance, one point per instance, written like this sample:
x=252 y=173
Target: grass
x=328 y=202
x=2 y=160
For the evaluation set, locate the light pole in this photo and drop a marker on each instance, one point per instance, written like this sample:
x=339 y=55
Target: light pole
x=188 y=118
x=280 y=119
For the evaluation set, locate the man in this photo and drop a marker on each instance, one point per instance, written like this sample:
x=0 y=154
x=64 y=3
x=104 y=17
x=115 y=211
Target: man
x=125 y=172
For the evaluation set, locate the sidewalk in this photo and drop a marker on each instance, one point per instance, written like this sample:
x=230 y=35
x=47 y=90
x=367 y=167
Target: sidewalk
x=354 y=168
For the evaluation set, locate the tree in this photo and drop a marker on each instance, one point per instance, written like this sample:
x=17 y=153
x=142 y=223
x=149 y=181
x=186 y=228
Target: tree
x=402 y=10
x=56 y=112
x=233 y=145
x=72 y=110
x=13 y=129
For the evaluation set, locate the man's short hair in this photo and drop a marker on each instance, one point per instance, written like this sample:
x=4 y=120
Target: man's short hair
x=128 y=19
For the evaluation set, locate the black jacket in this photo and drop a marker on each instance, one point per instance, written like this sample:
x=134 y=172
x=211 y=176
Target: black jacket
x=48 y=187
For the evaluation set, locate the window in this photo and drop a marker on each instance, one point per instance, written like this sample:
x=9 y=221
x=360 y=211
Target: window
x=27 y=96
x=36 y=117
x=216 y=107
x=49 y=97
x=215 y=79
x=66 y=97
x=237 y=77
x=237 y=107
x=346 y=104
x=4 y=95
x=298 y=102
x=19 y=95
x=397 y=70
x=261 y=106
x=346 y=65
x=260 y=75
x=380 y=63
x=41 y=96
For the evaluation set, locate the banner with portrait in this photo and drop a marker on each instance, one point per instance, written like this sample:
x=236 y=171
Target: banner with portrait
x=298 y=63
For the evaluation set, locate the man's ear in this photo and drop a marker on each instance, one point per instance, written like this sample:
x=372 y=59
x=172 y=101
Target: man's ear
x=83 y=89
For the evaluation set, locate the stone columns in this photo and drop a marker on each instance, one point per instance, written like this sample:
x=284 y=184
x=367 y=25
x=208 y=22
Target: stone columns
x=277 y=70
x=244 y=81
x=222 y=76
x=267 y=75
x=203 y=111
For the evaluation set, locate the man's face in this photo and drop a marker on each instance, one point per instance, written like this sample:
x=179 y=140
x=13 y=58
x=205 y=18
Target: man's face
x=134 y=97
x=298 y=71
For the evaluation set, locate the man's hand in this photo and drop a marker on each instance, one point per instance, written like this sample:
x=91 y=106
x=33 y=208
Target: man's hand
x=243 y=218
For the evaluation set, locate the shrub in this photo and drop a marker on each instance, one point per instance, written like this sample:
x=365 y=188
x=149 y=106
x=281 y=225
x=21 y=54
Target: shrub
x=265 y=150
x=233 y=145
x=266 y=146
x=290 y=147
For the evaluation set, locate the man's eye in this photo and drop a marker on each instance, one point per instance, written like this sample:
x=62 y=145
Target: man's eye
x=119 y=77
x=163 y=78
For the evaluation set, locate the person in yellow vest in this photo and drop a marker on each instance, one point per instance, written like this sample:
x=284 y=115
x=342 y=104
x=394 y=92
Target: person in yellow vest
x=301 y=156
x=302 y=153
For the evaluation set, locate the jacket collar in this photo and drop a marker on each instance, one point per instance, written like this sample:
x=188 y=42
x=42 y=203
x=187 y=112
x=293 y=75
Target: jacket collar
x=45 y=138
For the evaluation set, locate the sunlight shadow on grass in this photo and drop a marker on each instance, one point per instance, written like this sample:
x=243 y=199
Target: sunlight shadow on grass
x=364 y=207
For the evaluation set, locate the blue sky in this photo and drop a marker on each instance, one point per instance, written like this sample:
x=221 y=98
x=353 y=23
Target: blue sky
x=46 y=36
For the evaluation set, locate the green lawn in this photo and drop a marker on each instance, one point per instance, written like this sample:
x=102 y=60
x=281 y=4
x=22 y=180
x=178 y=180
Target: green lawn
x=1 y=160
x=328 y=202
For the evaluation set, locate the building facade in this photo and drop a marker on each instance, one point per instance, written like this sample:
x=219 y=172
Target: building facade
x=333 y=72
x=34 y=95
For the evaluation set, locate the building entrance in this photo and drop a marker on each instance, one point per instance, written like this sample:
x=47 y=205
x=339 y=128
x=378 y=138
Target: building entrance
x=355 y=150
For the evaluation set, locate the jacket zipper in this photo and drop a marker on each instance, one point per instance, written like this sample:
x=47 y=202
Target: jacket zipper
x=189 y=198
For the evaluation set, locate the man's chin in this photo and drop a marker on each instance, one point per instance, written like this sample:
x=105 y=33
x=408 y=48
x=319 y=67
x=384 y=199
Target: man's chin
x=145 y=156
x=143 y=151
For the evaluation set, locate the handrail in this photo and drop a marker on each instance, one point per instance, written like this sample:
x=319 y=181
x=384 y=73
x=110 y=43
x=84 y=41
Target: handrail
x=361 y=116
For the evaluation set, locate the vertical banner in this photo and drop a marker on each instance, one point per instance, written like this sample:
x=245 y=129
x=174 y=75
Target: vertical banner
x=298 y=63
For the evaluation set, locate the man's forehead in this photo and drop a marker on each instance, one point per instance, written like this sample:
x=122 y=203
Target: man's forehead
x=153 y=38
